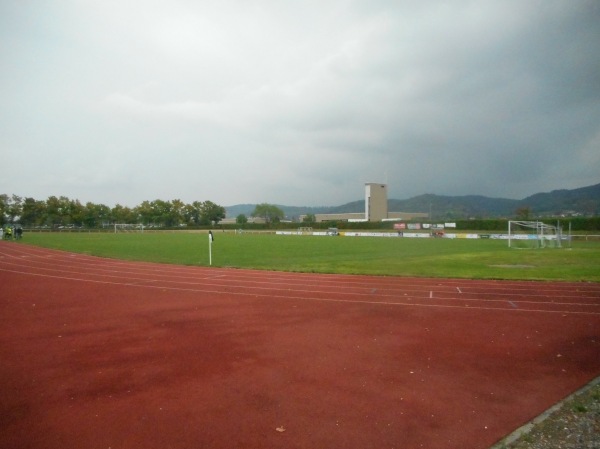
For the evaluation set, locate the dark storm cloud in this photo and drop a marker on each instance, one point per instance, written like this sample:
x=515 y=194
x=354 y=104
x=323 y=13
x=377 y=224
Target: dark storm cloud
x=298 y=104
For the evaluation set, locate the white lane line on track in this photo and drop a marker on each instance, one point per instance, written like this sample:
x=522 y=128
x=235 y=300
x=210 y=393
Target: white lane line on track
x=235 y=281
x=270 y=287
x=305 y=298
x=491 y=285
x=508 y=288
x=99 y=265
x=262 y=290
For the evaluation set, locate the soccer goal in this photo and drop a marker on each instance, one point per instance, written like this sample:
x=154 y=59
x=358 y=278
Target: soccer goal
x=128 y=227
x=533 y=234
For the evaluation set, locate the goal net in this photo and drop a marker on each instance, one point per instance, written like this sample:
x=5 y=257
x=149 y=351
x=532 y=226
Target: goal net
x=533 y=234
x=128 y=227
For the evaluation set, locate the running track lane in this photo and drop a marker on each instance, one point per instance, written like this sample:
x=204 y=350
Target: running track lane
x=105 y=353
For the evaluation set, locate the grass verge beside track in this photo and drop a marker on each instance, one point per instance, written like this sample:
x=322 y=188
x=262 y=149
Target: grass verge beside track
x=459 y=258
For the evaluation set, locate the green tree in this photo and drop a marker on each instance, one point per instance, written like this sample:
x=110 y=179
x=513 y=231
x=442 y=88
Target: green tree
x=3 y=207
x=523 y=213
x=123 y=214
x=76 y=213
x=309 y=218
x=191 y=213
x=162 y=212
x=211 y=213
x=146 y=212
x=14 y=209
x=34 y=212
x=10 y=208
x=157 y=212
x=96 y=215
x=176 y=213
x=58 y=210
x=241 y=219
x=269 y=212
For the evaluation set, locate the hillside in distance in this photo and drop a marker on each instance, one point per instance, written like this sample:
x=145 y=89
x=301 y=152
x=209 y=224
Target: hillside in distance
x=582 y=201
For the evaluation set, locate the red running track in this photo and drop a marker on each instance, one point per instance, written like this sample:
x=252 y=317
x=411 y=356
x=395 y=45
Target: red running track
x=99 y=353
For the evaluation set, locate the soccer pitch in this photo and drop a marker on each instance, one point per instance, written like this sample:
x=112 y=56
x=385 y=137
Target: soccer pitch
x=457 y=258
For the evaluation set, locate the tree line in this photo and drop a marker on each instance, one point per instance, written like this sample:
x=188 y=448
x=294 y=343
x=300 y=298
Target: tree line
x=56 y=212
x=62 y=211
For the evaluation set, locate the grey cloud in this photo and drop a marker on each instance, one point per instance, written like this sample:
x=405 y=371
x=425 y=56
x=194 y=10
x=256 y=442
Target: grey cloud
x=265 y=101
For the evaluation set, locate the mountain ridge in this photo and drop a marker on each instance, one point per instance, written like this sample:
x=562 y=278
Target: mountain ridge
x=579 y=201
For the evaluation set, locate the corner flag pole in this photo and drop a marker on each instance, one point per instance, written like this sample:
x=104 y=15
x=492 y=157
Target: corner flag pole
x=210 y=240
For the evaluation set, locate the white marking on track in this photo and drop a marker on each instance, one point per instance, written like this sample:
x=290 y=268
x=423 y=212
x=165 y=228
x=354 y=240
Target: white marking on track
x=347 y=289
x=296 y=297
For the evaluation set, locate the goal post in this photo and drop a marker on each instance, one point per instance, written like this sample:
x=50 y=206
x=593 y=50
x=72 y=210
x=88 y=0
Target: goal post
x=533 y=234
x=128 y=227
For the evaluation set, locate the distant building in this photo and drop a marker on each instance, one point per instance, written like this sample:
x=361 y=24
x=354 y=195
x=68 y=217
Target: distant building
x=376 y=201
x=376 y=208
x=357 y=216
x=233 y=220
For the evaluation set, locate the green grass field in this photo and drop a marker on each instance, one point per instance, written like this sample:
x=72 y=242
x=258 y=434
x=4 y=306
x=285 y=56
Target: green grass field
x=460 y=258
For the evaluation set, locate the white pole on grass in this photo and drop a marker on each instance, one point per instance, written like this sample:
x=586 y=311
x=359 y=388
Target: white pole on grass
x=210 y=240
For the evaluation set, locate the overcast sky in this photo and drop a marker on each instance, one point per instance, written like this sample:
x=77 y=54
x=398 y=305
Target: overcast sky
x=297 y=102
